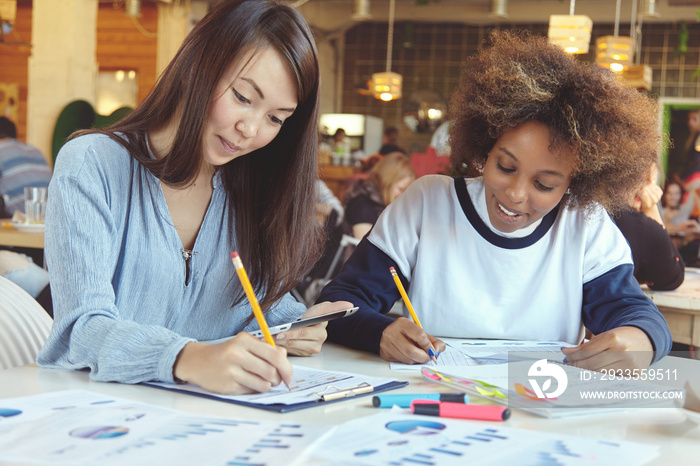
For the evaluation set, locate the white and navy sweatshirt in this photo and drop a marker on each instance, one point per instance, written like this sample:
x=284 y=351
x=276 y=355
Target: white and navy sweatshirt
x=466 y=280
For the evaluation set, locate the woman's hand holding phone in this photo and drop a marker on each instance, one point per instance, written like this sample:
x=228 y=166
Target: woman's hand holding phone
x=308 y=340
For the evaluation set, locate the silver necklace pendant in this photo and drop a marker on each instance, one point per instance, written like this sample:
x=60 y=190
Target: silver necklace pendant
x=187 y=253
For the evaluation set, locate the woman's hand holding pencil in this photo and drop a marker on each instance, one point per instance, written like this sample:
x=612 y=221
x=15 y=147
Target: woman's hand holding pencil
x=405 y=340
x=243 y=364
x=240 y=365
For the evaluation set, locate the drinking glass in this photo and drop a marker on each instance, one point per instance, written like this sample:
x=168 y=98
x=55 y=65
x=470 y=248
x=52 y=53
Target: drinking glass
x=35 y=204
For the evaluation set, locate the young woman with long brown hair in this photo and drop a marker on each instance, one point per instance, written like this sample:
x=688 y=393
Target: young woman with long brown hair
x=220 y=156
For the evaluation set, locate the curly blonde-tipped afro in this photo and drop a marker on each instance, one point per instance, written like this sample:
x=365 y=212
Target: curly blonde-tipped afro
x=610 y=130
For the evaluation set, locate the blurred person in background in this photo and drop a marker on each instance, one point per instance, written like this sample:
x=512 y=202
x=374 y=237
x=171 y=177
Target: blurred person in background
x=657 y=262
x=390 y=141
x=441 y=138
x=367 y=198
x=692 y=146
x=675 y=211
x=21 y=166
x=691 y=150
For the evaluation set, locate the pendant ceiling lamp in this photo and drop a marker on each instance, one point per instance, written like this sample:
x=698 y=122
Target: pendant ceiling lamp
x=133 y=8
x=638 y=76
x=499 y=8
x=386 y=86
x=650 y=10
x=615 y=52
x=361 y=11
x=571 y=32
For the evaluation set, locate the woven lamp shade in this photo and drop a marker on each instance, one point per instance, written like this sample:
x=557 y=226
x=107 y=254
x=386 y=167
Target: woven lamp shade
x=386 y=86
x=570 y=32
x=614 y=52
x=637 y=76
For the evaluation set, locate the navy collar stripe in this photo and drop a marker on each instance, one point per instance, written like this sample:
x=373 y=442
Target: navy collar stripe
x=493 y=238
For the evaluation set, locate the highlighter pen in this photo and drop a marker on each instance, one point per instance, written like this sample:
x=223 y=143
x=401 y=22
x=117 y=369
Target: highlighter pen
x=460 y=410
x=404 y=401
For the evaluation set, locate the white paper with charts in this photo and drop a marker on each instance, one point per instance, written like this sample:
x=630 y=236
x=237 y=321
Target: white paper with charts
x=307 y=386
x=80 y=427
x=471 y=352
x=400 y=438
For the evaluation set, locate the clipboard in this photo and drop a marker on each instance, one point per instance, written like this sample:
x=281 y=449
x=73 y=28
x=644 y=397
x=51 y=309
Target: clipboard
x=317 y=396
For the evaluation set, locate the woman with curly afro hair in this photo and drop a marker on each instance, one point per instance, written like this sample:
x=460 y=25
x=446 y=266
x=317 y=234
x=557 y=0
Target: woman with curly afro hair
x=521 y=245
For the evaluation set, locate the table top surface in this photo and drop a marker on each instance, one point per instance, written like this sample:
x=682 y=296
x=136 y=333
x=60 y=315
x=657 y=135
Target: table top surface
x=11 y=236
x=676 y=433
x=685 y=297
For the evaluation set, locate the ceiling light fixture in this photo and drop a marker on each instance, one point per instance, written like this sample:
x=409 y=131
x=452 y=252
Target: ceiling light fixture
x=638 y=76
x=650 y=10
x=386 y=86
x=361 y=11
x=615 y=52
x=8 y=10
x=571 y=32
x=499 y=8
x=133 y=8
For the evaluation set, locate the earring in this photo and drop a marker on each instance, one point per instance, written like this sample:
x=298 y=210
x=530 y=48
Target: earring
x=568 y=190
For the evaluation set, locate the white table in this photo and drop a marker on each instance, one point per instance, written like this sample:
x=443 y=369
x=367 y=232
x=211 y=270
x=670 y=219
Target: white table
x=681 y=308
x=678 y=436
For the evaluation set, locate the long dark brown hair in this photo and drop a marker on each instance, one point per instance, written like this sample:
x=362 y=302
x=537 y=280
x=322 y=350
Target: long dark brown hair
x=271 y=190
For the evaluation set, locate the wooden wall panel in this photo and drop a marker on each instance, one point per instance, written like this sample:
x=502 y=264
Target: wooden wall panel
x=122 y=46
x=14 y=56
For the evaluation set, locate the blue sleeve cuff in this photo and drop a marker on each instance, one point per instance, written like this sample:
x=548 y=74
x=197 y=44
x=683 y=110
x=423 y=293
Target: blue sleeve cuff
x=615 y=300
x=366 y=282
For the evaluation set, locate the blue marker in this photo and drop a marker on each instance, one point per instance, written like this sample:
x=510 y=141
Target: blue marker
x=404 y=401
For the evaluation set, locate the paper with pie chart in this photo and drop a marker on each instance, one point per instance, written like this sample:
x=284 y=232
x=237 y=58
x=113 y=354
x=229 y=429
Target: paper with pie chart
x=83 y=427
x=398 y=438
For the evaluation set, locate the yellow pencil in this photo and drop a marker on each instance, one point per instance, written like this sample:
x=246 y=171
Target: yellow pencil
x=243 y=276
x=431 y=351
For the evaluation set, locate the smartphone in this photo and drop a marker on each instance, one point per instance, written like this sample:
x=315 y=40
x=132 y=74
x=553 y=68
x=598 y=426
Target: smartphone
x=306 y=322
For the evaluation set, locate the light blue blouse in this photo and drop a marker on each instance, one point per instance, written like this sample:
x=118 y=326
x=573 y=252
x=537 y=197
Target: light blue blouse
x=122 y=307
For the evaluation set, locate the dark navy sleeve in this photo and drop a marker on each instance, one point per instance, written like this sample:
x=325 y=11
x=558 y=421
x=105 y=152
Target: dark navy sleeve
x=615 y=299
x=366 y=282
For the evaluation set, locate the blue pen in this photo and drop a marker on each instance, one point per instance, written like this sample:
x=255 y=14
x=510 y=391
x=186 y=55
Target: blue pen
x=404 y=401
